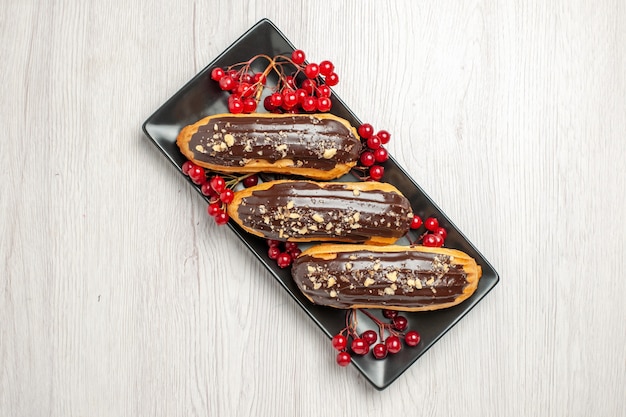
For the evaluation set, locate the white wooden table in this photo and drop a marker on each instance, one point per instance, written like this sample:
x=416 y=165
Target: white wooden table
x=120 y=297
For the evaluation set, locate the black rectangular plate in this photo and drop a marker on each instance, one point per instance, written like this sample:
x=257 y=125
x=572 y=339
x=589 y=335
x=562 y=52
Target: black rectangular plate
x=201 y=97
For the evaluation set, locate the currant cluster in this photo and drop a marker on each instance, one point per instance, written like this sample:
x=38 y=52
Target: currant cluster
x=348 y=340
x=434 y=236
x=218 y=189
x=301 y=87
x=373 y=152
x=282 y=252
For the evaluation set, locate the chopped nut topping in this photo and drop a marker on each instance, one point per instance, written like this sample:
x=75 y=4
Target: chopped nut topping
x=282 y=147
x=329 y=153
x=356 y=192
x=410 y=282
x=389 y=291
x=215 y=127
x=430 y=281
x=332 y=293
x=294 y=216
x=317 y=285
x=368 y=282
x=329 y=226
x=247 y=148
x=290 y=204
x=229 y=139
x=310 y=269
x=200 y=148
x=331 y=281
x=418 y=284
x=220 y=147
x=392 y=276
x=348 y=266
x=318 y=218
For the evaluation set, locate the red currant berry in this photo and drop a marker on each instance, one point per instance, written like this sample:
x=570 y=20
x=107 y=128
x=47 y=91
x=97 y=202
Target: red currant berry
x=323 y=91
x=373 y=142
x=301 y=94
x=247 y=78
x=369 y=336
x=431 y=224
x=218 y=183
x=289 y=246
x=390 y=314
x=244 y=90
x=290 y=99
x=187 y=165
x=227 y=83
x=312 y=70
x=393 y=344
x=276 y=99
x=234 y=74
x=324 y=104
x=366 y=130
x=295 y=253
x=227 y=196
x=290 y=82
x=309 y=86
x=376 y=172
x=197 y=175
x=273 y=252
x=326 y=68
x=208 y=191
x=384 y=136
x=221 y=218
x=235 y=106
x=214 y=209
x=309 y=103
x=340 y=342
x=416 y=222
x=251 y=181
x=438 y=240
x=259 y=78
x=431 y=240
x=360 y=346
x=273 y=243
x=400 y=323
x=267 y=103
x=343 y=359
x=381 y=154
x=412 y=338
x=249 y=105
x=332 y=79
x=298 y=56
x=367 y=159
x=380 y=351
x=283 y=260
x=441 y=232
x=217 y=74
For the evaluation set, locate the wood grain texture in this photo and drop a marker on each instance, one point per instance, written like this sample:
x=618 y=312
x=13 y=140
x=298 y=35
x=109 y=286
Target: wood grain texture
x=119 y=297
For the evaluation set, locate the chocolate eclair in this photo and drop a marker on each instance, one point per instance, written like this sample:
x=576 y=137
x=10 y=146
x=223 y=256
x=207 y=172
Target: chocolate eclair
x=318 y=146
x=387 y=277
x=304 y=211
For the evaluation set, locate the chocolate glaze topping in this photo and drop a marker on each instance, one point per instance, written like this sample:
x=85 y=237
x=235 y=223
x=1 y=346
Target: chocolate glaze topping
x=302 y=209
x=409 y=279
x=311 y=142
